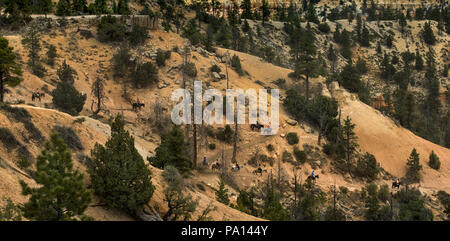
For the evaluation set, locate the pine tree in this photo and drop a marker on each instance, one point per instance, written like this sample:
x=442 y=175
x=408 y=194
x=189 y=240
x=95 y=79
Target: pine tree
x=222 y=193
x=413 y=167
x=428 y=35
x=118 y=172
x=402 y=22
x=9 y=68
x=63 y=8
x=418 y=62
x=349 y=140
x=65 y=73
x=122 y=7
x=67 y=99
x=372 y=203
x=62 y=194
x=172 y=151
x=43 y=7
x=79 y=6
x=265 y=11
x=31 y=41
x=51 y=55
x=246 y=7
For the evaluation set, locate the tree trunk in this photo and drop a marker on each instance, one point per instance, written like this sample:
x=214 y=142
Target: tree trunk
x=233 y=159
x=195 y=146
x=2 y=88
x=307 y=88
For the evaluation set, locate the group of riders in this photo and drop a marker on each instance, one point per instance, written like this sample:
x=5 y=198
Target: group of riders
x=236 y=167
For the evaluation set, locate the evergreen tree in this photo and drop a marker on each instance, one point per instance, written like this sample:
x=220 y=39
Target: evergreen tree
x=172 y=151
x=428 y=35
x=412 y=206
x=62 y=195
x=180 y=206
x=9 y=68
x=413 y=167
x=79 y=7
x=365 y=37
x=63 y=8
x=10 y=211
x=118 y=172
x=31 y=41
x=222 y=193
x=418 y=62
x=67 y=99
x=349 y=140
x=273 y=209
x=434 y=161
x=402 y=22
x=51 y=55
x=387 y=69
x=122 y=7
x=65 y=73
x=43 y=7
x=246 y=7
x=265 y=11
x=331 y=55
x=372 y=203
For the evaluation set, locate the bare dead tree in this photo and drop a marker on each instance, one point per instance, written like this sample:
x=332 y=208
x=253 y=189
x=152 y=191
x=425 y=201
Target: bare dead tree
x=98 y=91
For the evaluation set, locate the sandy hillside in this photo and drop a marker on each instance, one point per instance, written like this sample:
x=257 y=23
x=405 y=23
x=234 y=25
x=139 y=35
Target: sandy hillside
x=91 y=59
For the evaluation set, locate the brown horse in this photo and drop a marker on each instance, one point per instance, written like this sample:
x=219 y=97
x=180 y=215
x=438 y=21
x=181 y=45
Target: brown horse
x=216 y=166
x=38 y=96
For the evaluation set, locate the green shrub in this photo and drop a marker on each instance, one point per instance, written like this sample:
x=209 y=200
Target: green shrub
x=367 y=167
x=144 y=75
x=23 y=163
x=138 y=35
x=300 y=155
x=8 y=139
x=343 y=190
x=161 y=57
x=270 y=148
x=434 y=161
x=324 y=28
x=215 y=68
x=22 y=115
x=226 y=134
x=190 y=70
x=69 y=136
x=383 y=193
x=287 y=157
x=292 y=138
x=109 y=30
x=212 y=146
x=236 y=64
x=67 y=99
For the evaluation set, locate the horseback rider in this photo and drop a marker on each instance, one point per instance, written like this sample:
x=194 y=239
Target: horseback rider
x=397 y=181
x=237 y=166
x=205 y=163
x=313 y=175
x=37 y=93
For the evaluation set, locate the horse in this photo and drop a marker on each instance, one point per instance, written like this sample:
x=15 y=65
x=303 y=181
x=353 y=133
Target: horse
x=257 y=126
x=235 y=168
x=396 y=185
x=36 y=95
x=216 y=166
x=138 y=106
x=313 y=178
x=258 y=171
